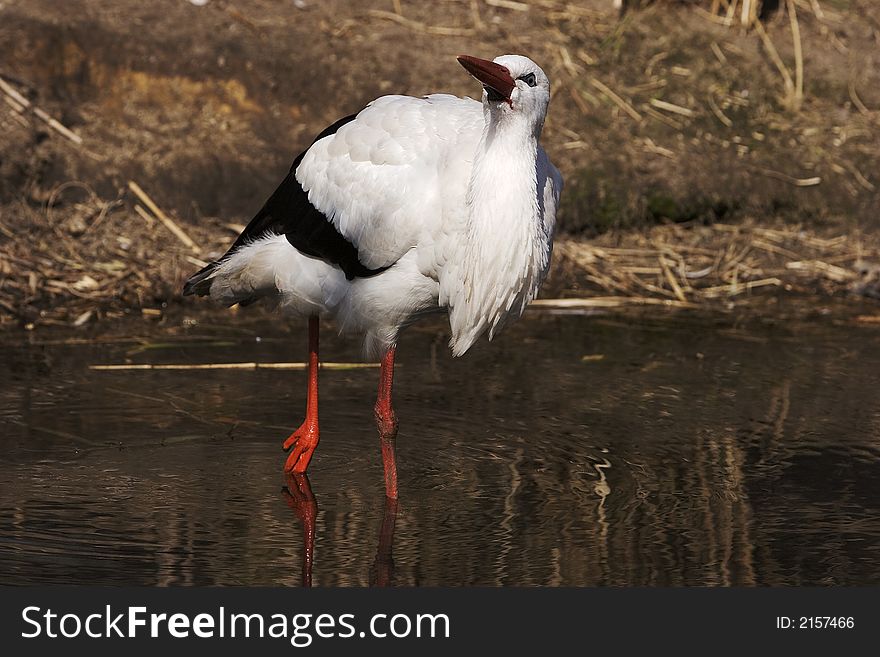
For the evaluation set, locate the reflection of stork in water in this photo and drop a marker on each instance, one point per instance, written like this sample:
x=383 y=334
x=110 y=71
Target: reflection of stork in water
x=299 y=497
x=382 y=573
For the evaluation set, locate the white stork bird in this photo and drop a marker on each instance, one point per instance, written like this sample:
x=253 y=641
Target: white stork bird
x=413 y=205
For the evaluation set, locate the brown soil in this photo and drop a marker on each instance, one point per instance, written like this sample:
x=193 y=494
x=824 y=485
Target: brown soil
x=205 y=107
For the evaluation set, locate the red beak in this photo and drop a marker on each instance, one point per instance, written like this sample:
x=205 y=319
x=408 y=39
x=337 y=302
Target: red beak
x=492 y=75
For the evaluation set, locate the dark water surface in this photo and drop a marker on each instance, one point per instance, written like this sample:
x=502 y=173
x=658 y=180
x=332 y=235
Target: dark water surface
x=572 y=451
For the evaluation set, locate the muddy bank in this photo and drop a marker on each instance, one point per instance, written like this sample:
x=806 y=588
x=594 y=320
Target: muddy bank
x=663 y=115
x=100 y=262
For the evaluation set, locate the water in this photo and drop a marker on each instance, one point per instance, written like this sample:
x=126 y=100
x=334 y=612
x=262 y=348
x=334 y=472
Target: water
x=572 y=451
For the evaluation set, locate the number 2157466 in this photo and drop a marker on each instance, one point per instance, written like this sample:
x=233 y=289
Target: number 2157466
x=815 y=622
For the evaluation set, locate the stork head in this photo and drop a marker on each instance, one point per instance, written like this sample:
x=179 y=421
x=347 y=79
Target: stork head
x=512 y=84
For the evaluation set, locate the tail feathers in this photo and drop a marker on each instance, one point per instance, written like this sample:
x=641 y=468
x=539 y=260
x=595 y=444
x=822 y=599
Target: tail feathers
x=231 y=280
x=200 y=282
x=270 y=268
x=244 y=275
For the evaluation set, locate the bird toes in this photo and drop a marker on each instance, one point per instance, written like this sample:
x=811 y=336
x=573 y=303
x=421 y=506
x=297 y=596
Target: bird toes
x=291 y=441
x=301 y=445
x=298 y=459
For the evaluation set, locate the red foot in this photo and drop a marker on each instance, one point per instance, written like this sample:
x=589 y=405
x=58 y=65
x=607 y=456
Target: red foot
x=302 y=444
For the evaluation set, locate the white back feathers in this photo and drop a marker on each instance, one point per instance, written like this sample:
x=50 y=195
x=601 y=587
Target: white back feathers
x=379 y=179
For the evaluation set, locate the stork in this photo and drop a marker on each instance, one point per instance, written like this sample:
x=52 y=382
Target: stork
x=411 y=206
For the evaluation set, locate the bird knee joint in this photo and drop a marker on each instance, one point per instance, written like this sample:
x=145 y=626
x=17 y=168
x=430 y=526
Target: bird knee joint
x=386 y=421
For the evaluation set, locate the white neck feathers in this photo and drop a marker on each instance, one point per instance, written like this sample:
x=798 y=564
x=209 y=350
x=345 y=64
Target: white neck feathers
x=504 y=254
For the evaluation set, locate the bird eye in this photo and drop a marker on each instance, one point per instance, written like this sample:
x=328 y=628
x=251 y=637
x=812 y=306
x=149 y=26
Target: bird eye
x=529 y=79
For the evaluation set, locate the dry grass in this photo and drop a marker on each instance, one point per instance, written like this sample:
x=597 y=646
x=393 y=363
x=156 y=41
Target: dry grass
x=690 y=266
x=82 y=259
x=85 y=260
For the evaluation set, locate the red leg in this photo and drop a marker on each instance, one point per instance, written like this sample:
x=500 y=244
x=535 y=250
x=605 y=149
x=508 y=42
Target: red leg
x=387 y=423
x=303 y=441
x=384 y=567
x=299 y=497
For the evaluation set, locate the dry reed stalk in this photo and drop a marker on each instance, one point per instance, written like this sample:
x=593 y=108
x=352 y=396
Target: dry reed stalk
x=607 y=302
x=716 y=110
x=568 y=63
x=772 y=248
x=653 y=85
x=585 y=57
x=719 y=54
x=195 y=261
x=421 y=27
x=797 y=182
x=475 y=15
x=176 y=230
x=579 y=101
x=666 y=120
x=651 y=147
x=859 y=176
x=667 y=272
x=731 y=10
x=617 y=100
x=24 y=103
x=711 y=16
x=798 y=55
x=143 y=214
x=854 y=97
x=749 y=14
x=735 y=289
x=776 y=59
x=833 y=272
x=670 y=107
x=508 y=4
x=228 y=366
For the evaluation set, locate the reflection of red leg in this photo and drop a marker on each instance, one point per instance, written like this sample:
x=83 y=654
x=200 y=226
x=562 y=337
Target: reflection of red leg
x=384 y=561
x=387 y=423
x=304 y=440
x=299 y=497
